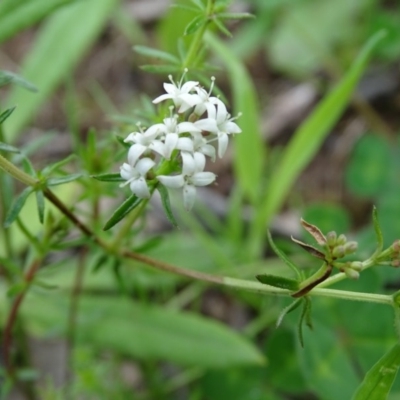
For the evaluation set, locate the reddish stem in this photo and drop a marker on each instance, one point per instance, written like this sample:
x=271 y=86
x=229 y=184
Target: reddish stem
x=7 y=338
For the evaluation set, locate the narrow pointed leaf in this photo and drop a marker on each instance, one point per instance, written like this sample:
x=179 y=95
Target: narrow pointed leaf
x=235 y=15
x=158 y=54
x=291 y=307
x=161 y=69
x=16 y=207
x=63 y=180
x=278 y=281
x=304 y=317
x=195 y=24
x=40 y=205
x=282 y=256
x=314 y=231
x=125 y=208
x=52 y=167
x=5 y=114
x=167 y=204
x=8 y=148
x=7 y=77
x=108 y=177
x=378 y=231
x=220 y=25
x=379 y=379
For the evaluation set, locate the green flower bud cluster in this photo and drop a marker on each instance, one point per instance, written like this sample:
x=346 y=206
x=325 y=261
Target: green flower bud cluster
x=338 y=246
x=352 y=269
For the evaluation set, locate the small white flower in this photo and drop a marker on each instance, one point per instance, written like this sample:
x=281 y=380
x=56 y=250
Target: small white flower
x=220 y=123
x=203 y=98
x=192 y=175
x=144 y=141
x=135 y=177
x=179 y=93
x=172 y=139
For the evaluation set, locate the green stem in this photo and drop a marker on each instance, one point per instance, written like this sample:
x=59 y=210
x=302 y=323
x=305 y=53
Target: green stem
x=16 y=173
x=198 y=39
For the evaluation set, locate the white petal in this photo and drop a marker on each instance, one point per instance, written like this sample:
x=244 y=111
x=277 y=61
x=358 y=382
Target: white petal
x=152 y=132
x=144 y=165
x=130 y=138
x=207 y=124
x=171 y=140
x=170 y=88
x=188 y=86
x=222 y=113
x=126 y=171
x=231 y=127
x=208 y=150
x=161 y=98
x=185 y=144
x=140 y=188
x=135 y=152
x=202 y=178
x=200 y=160
x=189 y=127
x=189 y=196
x=157 y=146
x=176 y=181
x=188 y=164
x=222 y=144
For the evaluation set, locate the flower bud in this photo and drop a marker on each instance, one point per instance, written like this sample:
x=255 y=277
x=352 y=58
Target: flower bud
x=341 y=239
x=396 y=246
x=331 y=238
x=356 y=265
x=350 y=247
x=338 y=252
x=396 y=263
x=351 y=273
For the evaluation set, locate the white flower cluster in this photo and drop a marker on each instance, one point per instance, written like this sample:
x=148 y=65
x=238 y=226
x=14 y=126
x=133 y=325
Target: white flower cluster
x=186 y=137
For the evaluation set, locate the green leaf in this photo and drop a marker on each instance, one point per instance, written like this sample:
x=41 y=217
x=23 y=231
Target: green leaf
x=7 y=77
x=146 y=332
x=8 y=148
x=5 y=114
x=379 y=379
x=282 y=256
x=125 y=208
x=305 y=317
x=278 y=281
x=108 y=177
x=166 y=204
x=158 y=54
x=65 y=36
x=378 y=231
x=235 y=15
x=195 y=24
x=26 y=15
x=291 y=307
x=16 y=289
x=40 y=205
x=161 y=69
x=325 y=363
x=52 y=167
x=220 y=25
x=306 y=142
x=16 y=207
x=367 y=173
x=249 y=145
x=64 y=179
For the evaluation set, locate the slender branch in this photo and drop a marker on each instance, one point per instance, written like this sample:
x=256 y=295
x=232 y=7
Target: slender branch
x=7 y=336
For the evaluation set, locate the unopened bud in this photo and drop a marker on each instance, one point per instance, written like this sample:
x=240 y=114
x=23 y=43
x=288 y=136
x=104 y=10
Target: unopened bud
x=331 y=238
x=338 y=252
x=351 y=273
x=396 y=246
x=341 y=239
x=350 y=247
x=356 y=265
x=396 y=263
